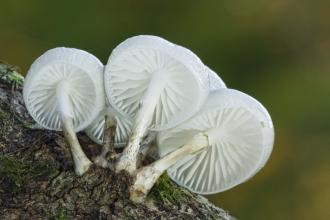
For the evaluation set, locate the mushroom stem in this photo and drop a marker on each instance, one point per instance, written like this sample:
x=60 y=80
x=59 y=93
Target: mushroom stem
x=81 y=162
x=147 y=176
x=143 y=119
x=147 y=146
x=108 y=151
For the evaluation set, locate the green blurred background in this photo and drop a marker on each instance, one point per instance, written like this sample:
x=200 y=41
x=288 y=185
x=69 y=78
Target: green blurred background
x=277 y=51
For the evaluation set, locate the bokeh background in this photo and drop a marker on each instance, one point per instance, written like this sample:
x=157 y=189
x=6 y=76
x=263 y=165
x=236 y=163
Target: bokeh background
x=277 y=51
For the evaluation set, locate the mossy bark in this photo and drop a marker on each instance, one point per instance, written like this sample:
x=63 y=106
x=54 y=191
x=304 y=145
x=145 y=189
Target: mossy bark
x=37 y=179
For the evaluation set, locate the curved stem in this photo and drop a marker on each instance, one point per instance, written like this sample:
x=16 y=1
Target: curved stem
x=143 y=119
x=81 y=162
x=146 y=177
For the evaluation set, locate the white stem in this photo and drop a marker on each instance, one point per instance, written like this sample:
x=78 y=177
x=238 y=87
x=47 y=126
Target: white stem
x=143 y=119
x=146 y=177
x=146 y=147
x=81 y=162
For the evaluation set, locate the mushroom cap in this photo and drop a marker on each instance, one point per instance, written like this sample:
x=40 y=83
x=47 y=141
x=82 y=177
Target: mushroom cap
x=124 y=126
x=241 y=137
x=131 y=66
x=83 y=75
x=215 y=82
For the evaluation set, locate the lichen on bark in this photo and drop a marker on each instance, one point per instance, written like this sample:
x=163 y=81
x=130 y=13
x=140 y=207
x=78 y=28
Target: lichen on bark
x=37 y=179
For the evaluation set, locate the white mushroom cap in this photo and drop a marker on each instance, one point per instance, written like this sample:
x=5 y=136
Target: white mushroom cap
x=124 y=125
x=82 y=74
x=215 y=82
x=131 y=67
x=241 y=136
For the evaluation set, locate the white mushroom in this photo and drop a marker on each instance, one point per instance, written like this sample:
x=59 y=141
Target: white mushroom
x=157 y=83
x=215 y=82
x=223 y=145
x=123 y=127
x=64 y=90
x=112 y=135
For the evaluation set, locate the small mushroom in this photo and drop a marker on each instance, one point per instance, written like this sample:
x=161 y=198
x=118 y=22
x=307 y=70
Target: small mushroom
x=64 y=90
x=95 y=131
x=156 y=82
x=111 y=129
x=223 y=145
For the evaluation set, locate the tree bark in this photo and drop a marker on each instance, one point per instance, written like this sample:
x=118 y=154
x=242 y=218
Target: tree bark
x=37 y=179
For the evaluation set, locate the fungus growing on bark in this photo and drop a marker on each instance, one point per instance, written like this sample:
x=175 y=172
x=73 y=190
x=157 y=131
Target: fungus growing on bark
x=223 y=145
x=110 y=122
x=63 y=90
x=123 y=127
x=152 y=85
x=158 y=83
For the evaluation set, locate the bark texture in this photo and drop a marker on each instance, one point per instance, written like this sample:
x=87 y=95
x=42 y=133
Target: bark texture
x=37 y=179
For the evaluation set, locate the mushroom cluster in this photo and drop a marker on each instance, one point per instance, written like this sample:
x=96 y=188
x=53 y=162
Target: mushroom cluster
x=151 y=93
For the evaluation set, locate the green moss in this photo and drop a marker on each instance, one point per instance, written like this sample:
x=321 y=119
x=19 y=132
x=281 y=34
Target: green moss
x=13 y=171
x=2 y=114
x=16 y=78
x=60 y=215
x=10 y=75
x=166 y=191
x=41 y=170
x=17 y=173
